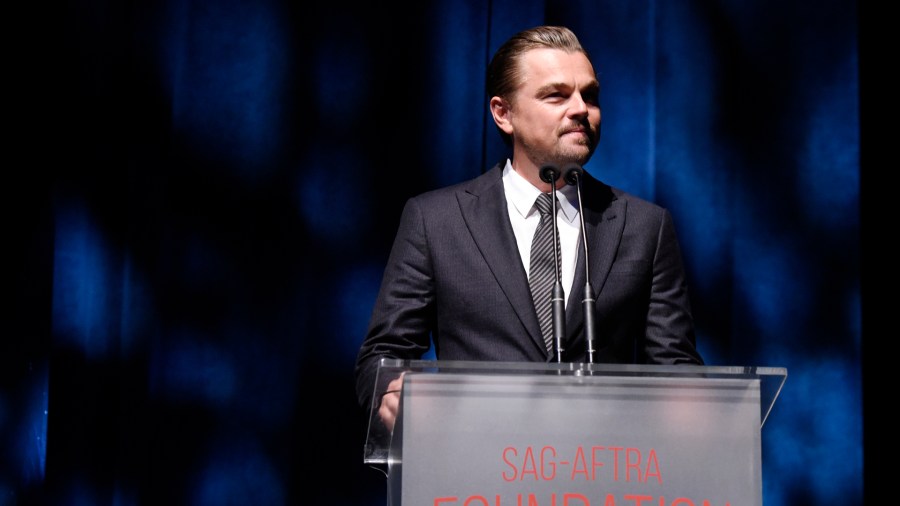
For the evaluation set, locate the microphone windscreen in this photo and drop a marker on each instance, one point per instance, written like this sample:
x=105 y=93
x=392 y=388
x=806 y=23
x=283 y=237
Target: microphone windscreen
x=549 y=173
x=573 y=173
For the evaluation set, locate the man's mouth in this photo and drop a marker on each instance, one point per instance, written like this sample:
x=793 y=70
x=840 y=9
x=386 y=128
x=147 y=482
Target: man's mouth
x=577 y=131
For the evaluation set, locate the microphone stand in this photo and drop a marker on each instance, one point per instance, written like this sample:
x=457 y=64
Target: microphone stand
x=573 y=176
x=549 y=174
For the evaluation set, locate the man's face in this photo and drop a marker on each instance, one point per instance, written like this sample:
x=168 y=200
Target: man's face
x=555 y=114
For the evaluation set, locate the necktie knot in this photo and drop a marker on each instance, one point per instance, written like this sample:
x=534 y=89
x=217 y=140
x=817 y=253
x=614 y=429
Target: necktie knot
x=544 y=203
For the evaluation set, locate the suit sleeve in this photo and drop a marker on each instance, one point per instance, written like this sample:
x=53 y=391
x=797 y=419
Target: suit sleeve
x=669 y=336
x=404 y=314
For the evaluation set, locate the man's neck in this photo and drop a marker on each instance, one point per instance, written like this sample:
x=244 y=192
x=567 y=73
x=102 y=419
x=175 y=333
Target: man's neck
x=532 y=174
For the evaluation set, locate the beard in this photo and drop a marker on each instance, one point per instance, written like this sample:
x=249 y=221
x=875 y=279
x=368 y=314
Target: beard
x=578 y=150
x=566 y=149
x=579 y=154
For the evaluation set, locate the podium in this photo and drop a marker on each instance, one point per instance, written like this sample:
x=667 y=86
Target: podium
x=572 y=434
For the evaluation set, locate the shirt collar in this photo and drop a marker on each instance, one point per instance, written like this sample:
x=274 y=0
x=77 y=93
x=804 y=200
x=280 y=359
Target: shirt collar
x=522 y=194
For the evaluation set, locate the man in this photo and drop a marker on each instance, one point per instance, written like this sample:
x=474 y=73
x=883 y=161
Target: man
x=458 y=272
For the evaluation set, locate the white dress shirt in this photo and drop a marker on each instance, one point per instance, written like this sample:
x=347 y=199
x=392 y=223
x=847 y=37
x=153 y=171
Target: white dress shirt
x=520 y=197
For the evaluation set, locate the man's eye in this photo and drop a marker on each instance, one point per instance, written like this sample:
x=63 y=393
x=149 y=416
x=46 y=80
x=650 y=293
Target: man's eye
x=592 y=98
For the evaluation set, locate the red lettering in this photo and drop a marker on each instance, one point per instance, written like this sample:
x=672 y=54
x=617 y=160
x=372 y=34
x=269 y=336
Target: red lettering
x=632 y=464
x=545 y=463
x=583 y=499
x=532 y=500
x=615 y=450
x=528 y=464
x=541 y=463
x=595 y=462
x=569 y=499
x=652 y=462
x=505 y=476
x=579 y=464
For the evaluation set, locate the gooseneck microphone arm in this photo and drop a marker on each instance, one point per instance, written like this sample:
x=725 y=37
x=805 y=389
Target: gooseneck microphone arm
x=549 y=174
x=573 y=176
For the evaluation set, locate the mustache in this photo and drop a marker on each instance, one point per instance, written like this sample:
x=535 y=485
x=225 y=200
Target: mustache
x=584 y=126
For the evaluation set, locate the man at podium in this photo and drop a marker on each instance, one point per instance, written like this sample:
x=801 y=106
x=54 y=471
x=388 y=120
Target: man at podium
x=462 y=274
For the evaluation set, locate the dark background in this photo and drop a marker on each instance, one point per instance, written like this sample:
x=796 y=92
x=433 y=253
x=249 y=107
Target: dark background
x=203 y=195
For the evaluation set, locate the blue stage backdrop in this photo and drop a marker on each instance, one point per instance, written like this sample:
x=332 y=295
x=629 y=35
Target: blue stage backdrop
x=218 y=184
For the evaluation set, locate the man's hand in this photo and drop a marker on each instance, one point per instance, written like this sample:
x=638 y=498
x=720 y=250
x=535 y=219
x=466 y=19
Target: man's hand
x=390 y=403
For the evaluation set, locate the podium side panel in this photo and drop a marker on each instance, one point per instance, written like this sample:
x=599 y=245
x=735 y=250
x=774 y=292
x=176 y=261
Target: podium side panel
x=545 y=440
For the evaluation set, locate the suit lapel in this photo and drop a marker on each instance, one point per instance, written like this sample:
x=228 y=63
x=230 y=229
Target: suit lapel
x=484 y=209
x=604 y=220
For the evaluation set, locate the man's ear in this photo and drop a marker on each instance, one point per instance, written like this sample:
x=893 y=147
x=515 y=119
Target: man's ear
x=500 y=110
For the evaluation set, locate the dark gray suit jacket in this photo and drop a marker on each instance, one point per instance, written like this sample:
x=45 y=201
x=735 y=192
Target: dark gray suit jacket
x=454 y=275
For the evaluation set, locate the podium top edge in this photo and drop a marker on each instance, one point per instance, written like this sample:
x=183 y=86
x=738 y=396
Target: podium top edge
x=769 y=380
x=576 y=368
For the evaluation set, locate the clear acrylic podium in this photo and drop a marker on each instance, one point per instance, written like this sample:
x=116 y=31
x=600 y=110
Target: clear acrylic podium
x=572 y=434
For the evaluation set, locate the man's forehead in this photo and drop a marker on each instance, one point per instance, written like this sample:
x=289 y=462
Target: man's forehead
x=544 y=66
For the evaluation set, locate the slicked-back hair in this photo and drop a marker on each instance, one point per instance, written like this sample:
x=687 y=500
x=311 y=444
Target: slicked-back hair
x=504 y=73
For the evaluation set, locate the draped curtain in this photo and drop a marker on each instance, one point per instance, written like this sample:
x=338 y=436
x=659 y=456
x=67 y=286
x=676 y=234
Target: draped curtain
x=216 y=186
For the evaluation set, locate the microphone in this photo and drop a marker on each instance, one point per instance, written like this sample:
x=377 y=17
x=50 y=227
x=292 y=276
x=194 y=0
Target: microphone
x=549 y=174
x=574 y=174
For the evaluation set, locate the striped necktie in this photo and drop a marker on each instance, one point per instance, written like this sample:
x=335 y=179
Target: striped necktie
x=543 y=270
